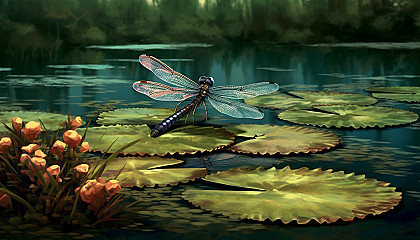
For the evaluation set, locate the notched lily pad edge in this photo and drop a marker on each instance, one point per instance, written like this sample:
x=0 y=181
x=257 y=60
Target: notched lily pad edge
x=278 y=154
x=351 y=127
x=168 y=154
x=197 y=176
x=326 y=220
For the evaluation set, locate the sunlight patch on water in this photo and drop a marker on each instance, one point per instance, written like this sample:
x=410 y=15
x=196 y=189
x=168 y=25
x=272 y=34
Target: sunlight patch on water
x=86 y=66
x=141 y=47
x=375 y=45
x=60 y=81
x=339 y=75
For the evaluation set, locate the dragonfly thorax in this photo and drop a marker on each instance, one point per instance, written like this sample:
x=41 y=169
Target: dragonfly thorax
x=206 y=80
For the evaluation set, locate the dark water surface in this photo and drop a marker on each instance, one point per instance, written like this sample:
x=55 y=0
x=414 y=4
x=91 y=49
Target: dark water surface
x=389 y=154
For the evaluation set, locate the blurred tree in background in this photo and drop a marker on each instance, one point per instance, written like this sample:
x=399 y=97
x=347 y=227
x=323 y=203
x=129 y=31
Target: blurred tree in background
x=42 y=27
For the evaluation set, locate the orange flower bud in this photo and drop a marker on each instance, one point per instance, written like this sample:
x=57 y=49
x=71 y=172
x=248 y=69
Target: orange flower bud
x=31 y=130
x=76 y=123
x=53 y=170
x=38 y=162
x=93 y=192
x=5 y=144
x=17 y=123
x=24 y=158
x=81 y=170
x=58 y=148
x=85 y=147
x=39 y=153
x=30 y=148
x=72 y=138
x=112 y=187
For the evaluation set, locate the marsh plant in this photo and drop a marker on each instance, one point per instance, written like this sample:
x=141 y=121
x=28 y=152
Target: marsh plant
x=45 y=177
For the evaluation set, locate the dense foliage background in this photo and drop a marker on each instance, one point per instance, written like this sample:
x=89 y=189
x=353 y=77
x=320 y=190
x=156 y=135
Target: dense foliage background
x=42 y=26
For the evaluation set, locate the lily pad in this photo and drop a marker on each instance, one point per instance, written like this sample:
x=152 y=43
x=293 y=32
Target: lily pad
x=349 y=116
x=306 y=99
x=189 y=139
x=283 y=140
x=407 y=94
x=142 y=171
x=133 y=116
x=50 y=120
x=301 y=195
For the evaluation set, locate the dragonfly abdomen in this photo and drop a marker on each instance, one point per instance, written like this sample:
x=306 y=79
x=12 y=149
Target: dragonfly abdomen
x=171 y=120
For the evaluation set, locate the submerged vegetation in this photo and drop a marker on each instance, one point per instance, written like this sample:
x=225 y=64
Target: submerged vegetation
x=42 y=28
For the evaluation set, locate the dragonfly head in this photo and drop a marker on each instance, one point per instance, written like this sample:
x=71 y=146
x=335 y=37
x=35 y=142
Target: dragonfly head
x=206 y=80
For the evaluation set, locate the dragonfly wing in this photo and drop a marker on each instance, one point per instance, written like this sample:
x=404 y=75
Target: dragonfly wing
x=234 y=109
x=247 y=91
x=162 y=92
x=164 y=72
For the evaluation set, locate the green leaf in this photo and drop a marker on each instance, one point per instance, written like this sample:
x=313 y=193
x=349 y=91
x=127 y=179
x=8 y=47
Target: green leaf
x=407 y=94
x=135 y=116
x=112 y=157
x=306 y=99
x=141 y=171
x=301 y=195
x=271 y=139
x=349 y=116
x=189 y=139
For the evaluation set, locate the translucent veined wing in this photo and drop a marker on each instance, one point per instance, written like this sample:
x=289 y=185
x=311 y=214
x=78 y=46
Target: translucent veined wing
x=234 y=109
x=162 y=92
x=247 y=91
x=165 y=73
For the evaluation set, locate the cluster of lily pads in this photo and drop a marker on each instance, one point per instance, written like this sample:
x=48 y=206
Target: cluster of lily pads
x=340 y=109
x=45 y=177
x=285 y=194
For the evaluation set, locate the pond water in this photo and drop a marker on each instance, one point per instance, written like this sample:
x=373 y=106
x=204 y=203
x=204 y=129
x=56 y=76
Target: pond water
x=389 y=154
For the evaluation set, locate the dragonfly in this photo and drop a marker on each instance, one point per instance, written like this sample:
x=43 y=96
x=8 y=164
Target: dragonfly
x=186 y=89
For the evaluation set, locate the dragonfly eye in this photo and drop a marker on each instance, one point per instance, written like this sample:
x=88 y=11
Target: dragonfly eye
x=206 y=80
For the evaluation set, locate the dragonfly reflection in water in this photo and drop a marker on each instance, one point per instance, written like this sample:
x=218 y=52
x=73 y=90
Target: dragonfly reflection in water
x=186 y=88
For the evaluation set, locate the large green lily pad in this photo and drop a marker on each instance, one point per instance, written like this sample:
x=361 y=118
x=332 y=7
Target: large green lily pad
x=300 y=194
x=270 y=139
x=407 y=94
x=133 y=116
x=189 y=139
x=349 y=116
x=306 y=99
x=50 y=120
x=142 y=171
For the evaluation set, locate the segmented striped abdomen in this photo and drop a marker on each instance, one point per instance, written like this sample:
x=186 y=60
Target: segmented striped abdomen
x=171 y=120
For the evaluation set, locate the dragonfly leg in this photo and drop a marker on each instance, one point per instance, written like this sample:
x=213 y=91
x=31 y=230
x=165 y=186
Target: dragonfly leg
x=195 y=108
x=205 y=107
x=186 y=118
x=176 y=108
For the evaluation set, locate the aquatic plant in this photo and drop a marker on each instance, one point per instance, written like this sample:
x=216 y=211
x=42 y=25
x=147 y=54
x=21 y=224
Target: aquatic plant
x=284 y=140
x=407 y=94
x=307 y=99
x=45 y=178
x=184 y=140
x=349 y=116
x=147 y=171
x=299 y=195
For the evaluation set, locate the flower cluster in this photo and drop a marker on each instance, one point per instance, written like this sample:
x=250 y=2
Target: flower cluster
x=53 y=168
x=97 y=191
